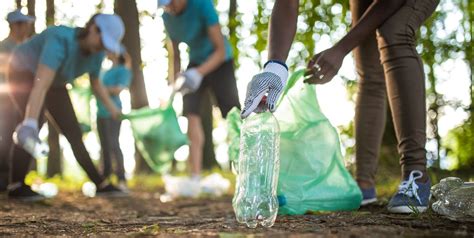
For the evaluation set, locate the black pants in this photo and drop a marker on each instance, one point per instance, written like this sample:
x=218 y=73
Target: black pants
x=59 y=105
x=224 y=87
x=109 y=131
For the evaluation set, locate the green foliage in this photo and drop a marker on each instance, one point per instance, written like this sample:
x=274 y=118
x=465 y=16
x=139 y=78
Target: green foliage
x=460 y=145
x=436 y=50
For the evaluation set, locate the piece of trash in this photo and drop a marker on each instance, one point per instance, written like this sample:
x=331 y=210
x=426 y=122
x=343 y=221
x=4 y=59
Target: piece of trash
x=454 y=199
x=48 y=190
x=255 y=198
x=89 y=189
x=181 y=186
x=215 y=185
x=175 y=187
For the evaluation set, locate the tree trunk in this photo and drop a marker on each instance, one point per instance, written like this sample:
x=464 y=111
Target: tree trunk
x=31 y=12
x=232 y=25
x=127 y=9
x=50 y=12
x=54 y=158
x=31 y=5
x=18 y=4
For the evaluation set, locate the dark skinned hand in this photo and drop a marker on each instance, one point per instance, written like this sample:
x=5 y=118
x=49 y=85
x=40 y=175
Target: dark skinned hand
x=324 y=66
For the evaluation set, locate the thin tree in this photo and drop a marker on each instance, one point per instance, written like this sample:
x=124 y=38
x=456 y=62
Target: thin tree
x=54 y=166
x=127 y=9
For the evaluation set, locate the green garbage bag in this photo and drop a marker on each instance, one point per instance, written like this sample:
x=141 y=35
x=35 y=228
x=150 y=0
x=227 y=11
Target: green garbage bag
x=312 y=173
x=81 y=100
x=157 y=135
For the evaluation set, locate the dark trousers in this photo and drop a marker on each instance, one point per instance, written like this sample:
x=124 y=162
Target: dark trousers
x=388 y=64
x=7 y=125
x=224 y=87
x=59 y=105
x=109 y=131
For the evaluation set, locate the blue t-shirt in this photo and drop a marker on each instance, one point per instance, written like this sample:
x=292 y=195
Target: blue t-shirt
x=117 y=76
x=6 y=47
x=58 y=48
x=191 y=27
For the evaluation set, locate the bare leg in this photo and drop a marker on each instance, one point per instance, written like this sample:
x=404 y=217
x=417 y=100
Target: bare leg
x=196 y=139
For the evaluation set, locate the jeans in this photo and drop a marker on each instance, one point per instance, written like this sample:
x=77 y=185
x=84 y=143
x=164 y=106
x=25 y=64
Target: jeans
x=388 y=65
x=109 y=131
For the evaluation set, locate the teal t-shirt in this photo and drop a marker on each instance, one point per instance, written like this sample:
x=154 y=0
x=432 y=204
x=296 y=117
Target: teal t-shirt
x=117 y=76
x=58 y=48
x=191 y=27
x=6 y=47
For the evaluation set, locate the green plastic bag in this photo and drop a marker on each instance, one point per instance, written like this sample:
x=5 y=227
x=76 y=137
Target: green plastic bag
x=157 y=135
x=312 y=173
x=81 y=100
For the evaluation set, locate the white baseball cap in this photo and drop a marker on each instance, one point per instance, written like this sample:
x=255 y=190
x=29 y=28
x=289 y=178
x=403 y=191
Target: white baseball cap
x=112 y=30
x=163 y=3
x=17 y=16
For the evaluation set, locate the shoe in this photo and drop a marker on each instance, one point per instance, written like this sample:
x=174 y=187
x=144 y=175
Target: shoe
x=412 y=197
x=122 y=185
x=24 y=193
x=368 y=196
x=110 y=191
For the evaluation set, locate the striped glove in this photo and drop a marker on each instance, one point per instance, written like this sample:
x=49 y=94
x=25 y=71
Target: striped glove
x=272 y=81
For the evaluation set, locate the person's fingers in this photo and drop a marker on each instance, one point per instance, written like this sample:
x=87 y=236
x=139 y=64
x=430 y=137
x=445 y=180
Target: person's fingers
x=328 y=77
x=313 y=60
x=251 y=102
x=273 y=96
x=317 y=75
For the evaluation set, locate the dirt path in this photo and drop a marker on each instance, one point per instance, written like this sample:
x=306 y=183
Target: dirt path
x=72 y=214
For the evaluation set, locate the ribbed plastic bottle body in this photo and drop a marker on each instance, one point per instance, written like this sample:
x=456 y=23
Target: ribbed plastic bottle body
x=255 y=199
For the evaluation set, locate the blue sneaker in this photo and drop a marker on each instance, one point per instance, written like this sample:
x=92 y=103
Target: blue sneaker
x=412 y=197
x=368 y=196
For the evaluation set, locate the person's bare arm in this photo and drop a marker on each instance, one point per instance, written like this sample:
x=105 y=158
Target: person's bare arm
x=218 y=56
x=374 y=16
x=101 y=93
x=3 y=62
x=43 y=79
x=329 y=61
x=282 y=29
x=176 y=62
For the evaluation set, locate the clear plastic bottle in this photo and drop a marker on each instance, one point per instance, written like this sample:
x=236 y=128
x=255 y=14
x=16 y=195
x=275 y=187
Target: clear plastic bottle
x=255 y=200
x=454 y=198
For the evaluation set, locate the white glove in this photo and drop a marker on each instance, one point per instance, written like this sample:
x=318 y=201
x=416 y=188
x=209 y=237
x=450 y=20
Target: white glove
x=26 y=135
x=189 y=81
x=272 y=81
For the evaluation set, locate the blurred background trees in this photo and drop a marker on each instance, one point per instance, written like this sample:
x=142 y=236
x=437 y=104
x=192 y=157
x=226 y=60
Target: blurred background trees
x=445 y=44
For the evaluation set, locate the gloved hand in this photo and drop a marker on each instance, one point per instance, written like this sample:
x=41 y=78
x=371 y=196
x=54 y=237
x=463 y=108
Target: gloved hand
x=189 y=81
x=26 y=135
x=272 y=81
